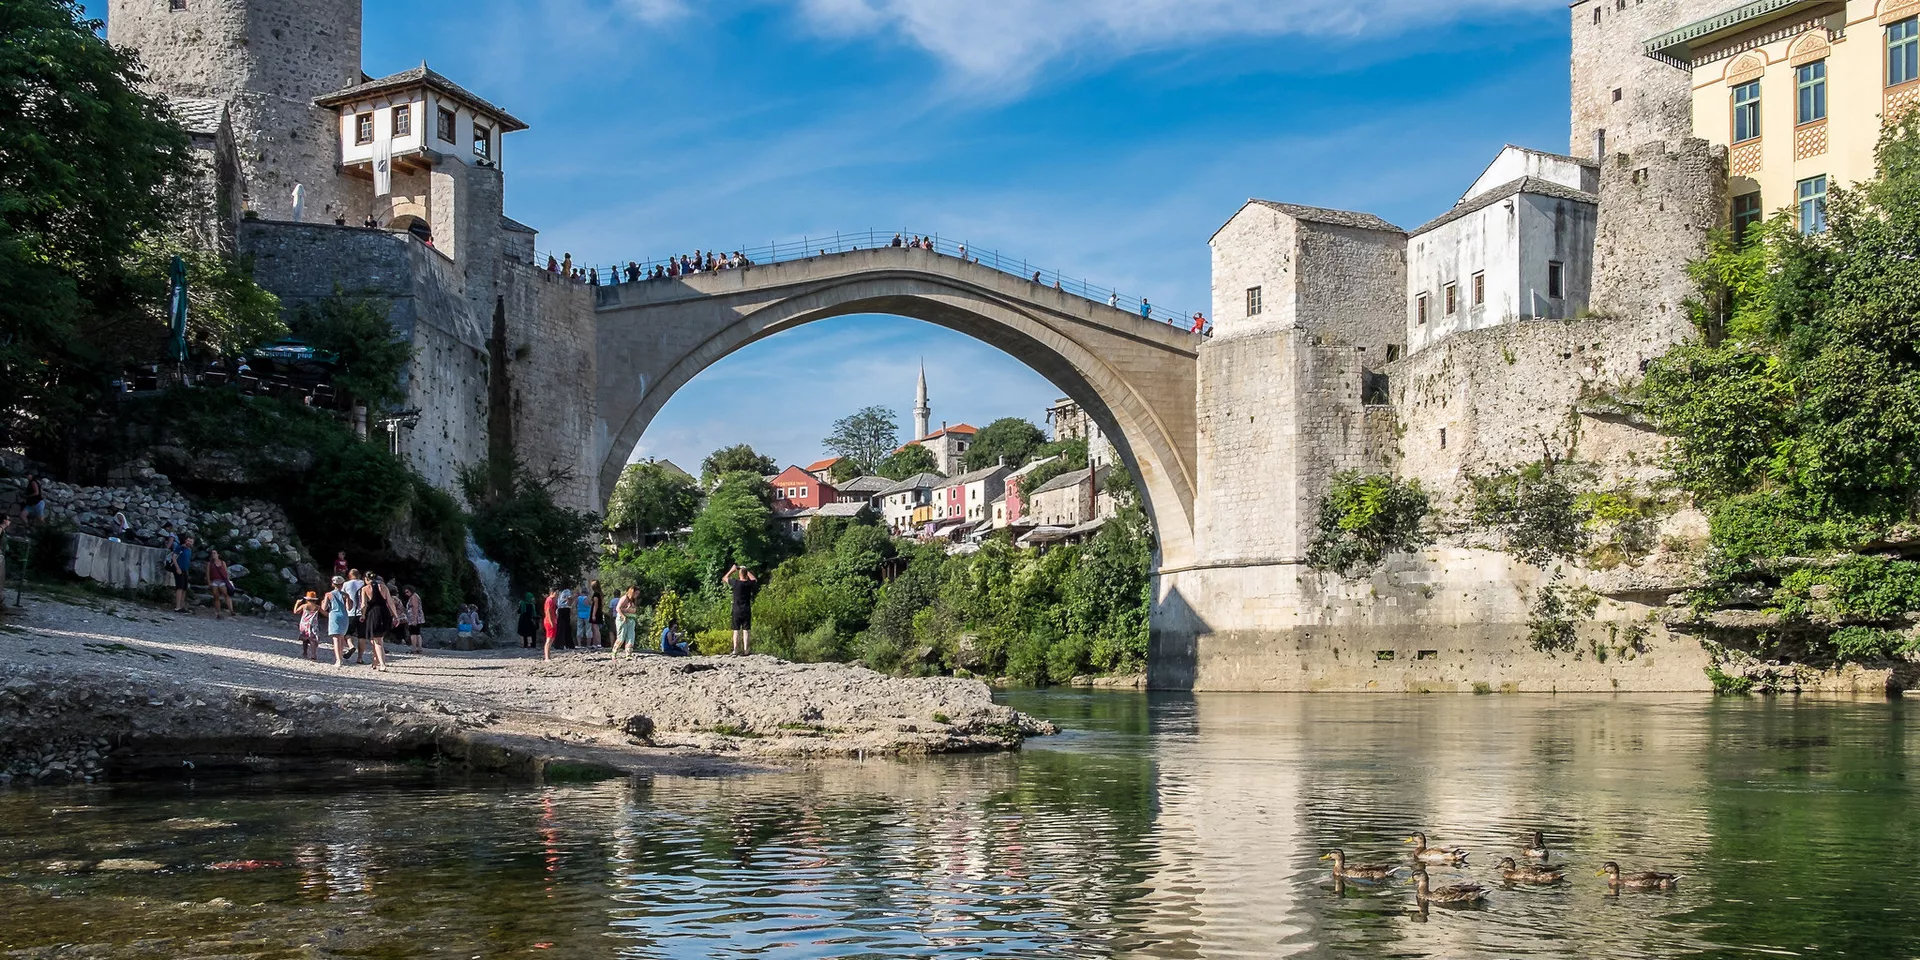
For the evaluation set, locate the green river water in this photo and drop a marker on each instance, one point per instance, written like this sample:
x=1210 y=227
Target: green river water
x=1177 y=826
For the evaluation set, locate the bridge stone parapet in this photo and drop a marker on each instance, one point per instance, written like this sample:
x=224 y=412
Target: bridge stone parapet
x=1135 y=377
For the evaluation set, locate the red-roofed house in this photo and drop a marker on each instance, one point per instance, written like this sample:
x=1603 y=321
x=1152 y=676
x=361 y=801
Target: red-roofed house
x=797 y=489
x=822 y=470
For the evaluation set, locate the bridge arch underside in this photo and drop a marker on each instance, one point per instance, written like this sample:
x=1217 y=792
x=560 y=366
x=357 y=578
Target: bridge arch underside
x=655 y=349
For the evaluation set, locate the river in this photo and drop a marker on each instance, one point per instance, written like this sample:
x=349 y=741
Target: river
x=1163 y=827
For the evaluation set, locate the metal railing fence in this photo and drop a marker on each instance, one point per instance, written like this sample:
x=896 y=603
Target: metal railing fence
x=782 y=251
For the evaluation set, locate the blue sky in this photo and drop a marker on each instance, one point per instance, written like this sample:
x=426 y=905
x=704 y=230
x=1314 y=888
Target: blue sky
x=1104 y=138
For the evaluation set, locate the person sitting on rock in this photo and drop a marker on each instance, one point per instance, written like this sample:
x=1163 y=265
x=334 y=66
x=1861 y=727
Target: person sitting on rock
x=672 y=642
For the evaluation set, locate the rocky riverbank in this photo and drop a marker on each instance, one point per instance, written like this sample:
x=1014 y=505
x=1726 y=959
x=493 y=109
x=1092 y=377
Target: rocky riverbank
x=101 y=688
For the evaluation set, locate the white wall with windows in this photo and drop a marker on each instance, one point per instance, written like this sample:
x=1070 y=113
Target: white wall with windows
x=416 y=119
x=1508 y=255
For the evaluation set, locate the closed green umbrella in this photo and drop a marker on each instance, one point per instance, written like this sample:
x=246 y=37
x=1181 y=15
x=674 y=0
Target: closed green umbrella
x=177 y=311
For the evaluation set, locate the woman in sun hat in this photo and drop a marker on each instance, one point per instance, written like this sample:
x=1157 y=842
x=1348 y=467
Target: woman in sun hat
x=308 y=607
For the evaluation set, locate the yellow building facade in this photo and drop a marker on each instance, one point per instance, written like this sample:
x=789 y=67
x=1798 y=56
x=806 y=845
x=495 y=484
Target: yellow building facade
x=1796 y=90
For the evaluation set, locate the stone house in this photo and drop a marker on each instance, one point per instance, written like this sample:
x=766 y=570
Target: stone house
x=948 y=445
x=1015 y=508
x=865 y=489
x=1069 y=421
x=1069 y=499
x=1519 y=248
x=908 y=504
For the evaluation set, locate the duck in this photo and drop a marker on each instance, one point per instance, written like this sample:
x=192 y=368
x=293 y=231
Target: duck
x=1531 y=873
x=1456 y=893
x=1644 y=880
x=1538 y=849
x=1358 y=871
x=1425 y=854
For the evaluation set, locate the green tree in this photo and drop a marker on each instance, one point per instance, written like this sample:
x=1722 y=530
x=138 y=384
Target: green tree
x=1067 y=456
x=651 y=497
x=88 y=164
x=907 y=461
x=1008 y=440
x=740 y=457
x=1363 y=518
x=515 y=520
x=359 y=333
x=865 y=437
x=227 y=313
x=844 y=470
x=737 y=527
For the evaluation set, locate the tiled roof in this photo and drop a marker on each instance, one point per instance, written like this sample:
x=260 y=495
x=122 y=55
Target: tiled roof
x=916 y=482
x=819 y=465
x=868 y=485
x=1072 y=478
x=1338 y=218
x=843 y=508
x=197 y=115
x=1532 y=185
x=956 y=428
x=421 y=75
x=1031 y=467
x=976 y=476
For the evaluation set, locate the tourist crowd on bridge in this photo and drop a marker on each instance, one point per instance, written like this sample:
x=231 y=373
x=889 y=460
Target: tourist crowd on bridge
x=711 y=261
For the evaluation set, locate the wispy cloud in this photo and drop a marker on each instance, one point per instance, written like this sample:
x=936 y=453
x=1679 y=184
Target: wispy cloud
x=1008 y=41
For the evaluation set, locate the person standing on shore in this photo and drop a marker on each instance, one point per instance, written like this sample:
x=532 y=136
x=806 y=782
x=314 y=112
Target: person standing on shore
x=308 y=607
x=376 y=617
x=416 y=617
x=563 y=617
x=583 y=618
x=336 y=606
x=220 y=584
x=626 y=622
x=597 y=615
x=550 y=621
x=180 y=560
x=742 y=582
x=356 y=624
x=528 y=614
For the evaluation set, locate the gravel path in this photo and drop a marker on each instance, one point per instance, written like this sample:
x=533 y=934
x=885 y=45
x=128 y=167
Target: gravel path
x=635 y=713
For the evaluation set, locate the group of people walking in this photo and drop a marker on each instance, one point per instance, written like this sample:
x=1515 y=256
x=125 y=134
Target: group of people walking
x=361 y=613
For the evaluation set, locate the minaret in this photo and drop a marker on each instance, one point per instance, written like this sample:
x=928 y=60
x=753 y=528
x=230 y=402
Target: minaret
x=922 y=413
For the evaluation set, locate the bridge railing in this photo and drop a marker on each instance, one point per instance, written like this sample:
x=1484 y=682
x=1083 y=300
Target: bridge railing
x=807 y=247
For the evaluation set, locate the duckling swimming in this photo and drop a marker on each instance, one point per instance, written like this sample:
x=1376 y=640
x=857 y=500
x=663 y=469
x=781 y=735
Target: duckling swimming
x=1425 y=854
x=1644 y=880
x=1538 y=849
x=1531 y=873
x=1358 y=871
x=1455 y=893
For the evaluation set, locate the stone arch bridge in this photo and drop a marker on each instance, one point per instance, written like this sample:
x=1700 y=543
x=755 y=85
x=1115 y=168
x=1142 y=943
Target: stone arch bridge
x=1135 y=377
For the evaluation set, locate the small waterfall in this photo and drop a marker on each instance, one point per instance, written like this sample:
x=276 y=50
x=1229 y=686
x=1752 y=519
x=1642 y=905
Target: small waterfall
x=493 y=580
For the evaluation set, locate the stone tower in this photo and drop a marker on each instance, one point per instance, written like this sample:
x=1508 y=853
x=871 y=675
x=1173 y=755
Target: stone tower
x=1622 y=98
x=268 y=59
x=922 y=411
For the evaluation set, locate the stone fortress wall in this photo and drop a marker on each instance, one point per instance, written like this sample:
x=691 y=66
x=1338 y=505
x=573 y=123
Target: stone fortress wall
x=304 y=263
x=1281 y=396
x=267 y=60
